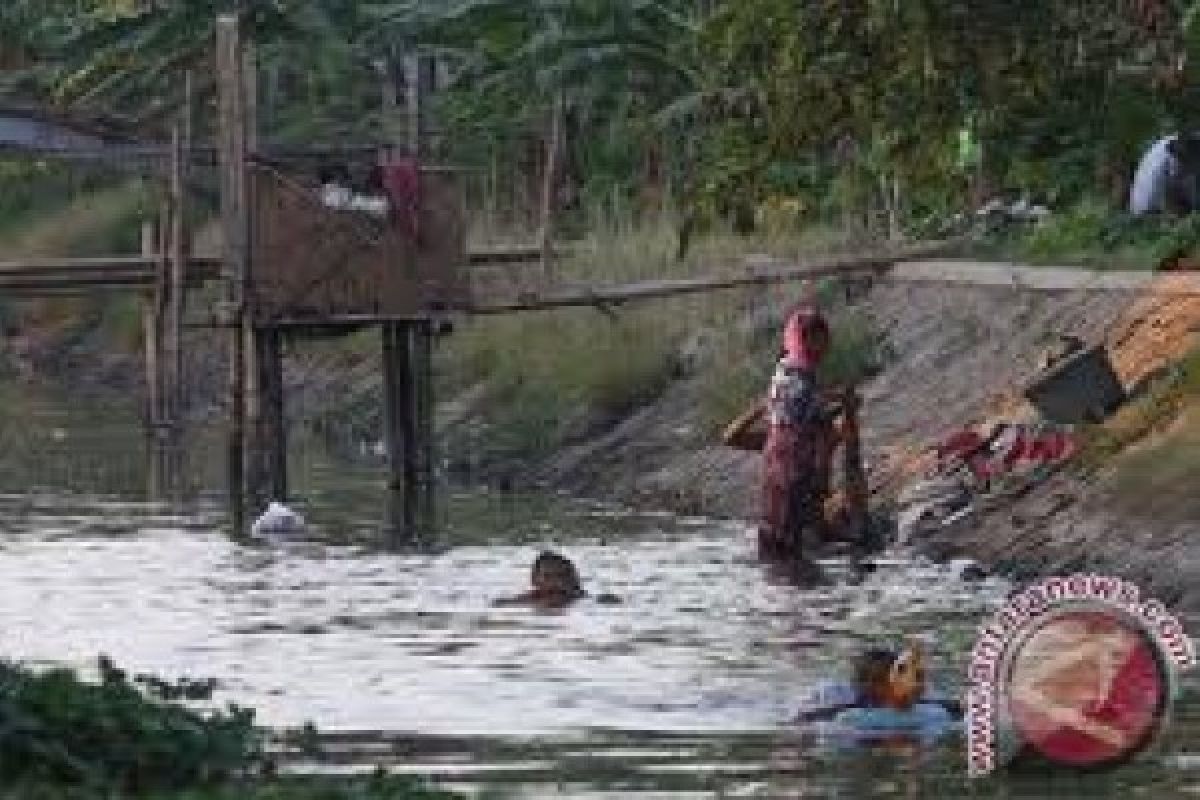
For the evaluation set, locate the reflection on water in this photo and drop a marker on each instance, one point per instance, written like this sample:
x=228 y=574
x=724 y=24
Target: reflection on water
x=684 y=689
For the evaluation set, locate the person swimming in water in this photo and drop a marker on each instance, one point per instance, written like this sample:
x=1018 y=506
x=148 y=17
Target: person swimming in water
x=884 y=679
x=554 y=583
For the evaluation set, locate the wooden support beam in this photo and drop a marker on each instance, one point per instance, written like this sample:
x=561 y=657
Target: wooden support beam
x=758 y=273
x=271 y=438
x=203 y=266
x=1028 y=278
x=419 y=76
x=424 y=433
x=180 y=250
x=235 y=225
x=398 y=429
x=151 y=339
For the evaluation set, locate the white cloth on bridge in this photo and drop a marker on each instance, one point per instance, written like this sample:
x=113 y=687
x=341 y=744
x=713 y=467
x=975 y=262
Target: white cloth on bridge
x=342 y=198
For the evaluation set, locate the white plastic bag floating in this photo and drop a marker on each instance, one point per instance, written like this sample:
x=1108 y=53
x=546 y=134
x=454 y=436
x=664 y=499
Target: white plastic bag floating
x=278 y=520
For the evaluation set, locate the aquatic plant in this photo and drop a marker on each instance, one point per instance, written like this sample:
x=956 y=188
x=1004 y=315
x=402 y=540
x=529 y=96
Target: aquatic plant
x=63 y=737
x=118 y=733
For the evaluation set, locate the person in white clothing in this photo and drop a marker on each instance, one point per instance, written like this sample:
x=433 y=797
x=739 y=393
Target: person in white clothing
x=1166 y=180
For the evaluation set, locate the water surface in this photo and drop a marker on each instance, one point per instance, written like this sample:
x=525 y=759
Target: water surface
x=684 y=689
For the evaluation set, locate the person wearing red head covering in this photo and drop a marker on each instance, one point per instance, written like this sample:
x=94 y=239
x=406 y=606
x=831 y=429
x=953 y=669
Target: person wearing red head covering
x=798 y=441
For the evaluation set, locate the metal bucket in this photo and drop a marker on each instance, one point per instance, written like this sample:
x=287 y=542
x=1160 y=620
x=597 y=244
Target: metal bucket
x=1081 y=388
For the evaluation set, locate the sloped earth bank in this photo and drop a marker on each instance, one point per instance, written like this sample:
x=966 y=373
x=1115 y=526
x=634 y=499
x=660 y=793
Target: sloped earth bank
x=955 y=356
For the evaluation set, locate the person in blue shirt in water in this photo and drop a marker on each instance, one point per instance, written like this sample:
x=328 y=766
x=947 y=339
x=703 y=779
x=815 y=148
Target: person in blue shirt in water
x=888 y=695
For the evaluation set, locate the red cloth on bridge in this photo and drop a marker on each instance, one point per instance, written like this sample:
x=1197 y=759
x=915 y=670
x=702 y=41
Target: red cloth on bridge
x=402 y=182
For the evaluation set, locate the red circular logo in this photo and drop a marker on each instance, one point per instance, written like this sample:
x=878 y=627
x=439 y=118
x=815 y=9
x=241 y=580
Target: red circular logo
x=1087 y=688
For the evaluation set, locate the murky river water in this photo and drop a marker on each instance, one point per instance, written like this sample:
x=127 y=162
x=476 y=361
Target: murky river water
x=685 y=689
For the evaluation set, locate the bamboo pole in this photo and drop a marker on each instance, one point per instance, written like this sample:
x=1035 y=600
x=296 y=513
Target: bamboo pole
x=151 y=329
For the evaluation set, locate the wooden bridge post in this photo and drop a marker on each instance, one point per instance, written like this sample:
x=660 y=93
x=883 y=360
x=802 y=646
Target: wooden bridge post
x=399 y=429
x=271 y=424
x=408 y=428
x=179 y=253
x=152 y=335
x=423 y=427
x=235 y=219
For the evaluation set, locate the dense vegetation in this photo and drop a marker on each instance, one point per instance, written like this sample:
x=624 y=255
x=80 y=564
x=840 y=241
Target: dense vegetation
x=784 y=119
x=753 y=112
x=135 y=736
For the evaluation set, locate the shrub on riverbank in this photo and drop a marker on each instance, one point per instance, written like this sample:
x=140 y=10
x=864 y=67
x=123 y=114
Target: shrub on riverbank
x=1093 y=234
x=132 y=736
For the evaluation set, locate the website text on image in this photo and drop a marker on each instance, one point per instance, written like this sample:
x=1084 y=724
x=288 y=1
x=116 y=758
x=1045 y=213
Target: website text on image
x=1024 y=610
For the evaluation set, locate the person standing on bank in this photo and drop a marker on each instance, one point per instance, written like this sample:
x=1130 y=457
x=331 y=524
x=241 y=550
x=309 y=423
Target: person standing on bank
x=798 y=442
x=1167 y=180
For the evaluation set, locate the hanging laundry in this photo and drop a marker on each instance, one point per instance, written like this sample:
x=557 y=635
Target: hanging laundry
x=402 y=182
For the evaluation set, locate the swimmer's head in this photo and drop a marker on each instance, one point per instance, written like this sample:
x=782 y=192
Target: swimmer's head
x=553 y=574
x=871 y=674
x=885 y=678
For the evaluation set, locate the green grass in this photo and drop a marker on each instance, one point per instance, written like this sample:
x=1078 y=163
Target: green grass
x=1152 y=445
x=555 y=375
x=1159 y=405
x=100 y=223
x=1158 y=479
x=106 y=221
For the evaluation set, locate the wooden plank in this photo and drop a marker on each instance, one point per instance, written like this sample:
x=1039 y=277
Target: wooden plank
x=205 y=265
x=37 y=287
x=1012 y=276
x=519 y=254
x=760 y=272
